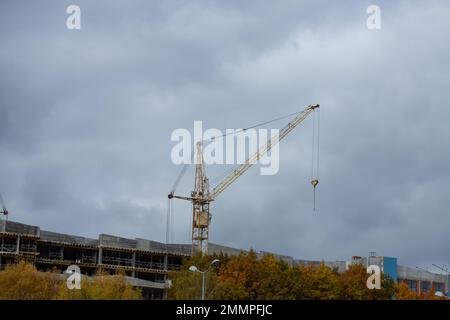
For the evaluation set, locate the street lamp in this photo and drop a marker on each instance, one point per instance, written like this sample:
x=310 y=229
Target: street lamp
x=214 y=263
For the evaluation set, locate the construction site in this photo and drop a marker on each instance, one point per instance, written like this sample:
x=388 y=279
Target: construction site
x=202 y=194
x=147 y=264
x=143 y=261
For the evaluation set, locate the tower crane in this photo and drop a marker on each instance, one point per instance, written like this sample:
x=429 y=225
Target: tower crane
x=3 y=210
x=202 y=196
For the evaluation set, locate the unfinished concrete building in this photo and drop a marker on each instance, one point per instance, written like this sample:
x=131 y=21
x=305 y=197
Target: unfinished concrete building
x=142 y=261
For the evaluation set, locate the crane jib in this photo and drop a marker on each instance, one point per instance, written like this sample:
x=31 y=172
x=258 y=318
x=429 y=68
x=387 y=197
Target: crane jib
x=201 y=196
x=244 y=167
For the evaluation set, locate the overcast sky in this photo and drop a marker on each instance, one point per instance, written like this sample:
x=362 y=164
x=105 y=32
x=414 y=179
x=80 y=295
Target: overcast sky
x=86 y=117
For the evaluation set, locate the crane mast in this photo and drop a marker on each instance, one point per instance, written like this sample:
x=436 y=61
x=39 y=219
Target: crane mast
x=3 y=209
x=201 y=217
x=3 y=212
x=201 y=197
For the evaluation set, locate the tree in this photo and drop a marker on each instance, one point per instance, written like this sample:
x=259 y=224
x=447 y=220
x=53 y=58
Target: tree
x=22 y=281
x=186 y=285
x=247 y=277
x=319 y=282
x=237 y=277
x=353 y=285
x=402 y=292
x=101 y=287
x=270 y=276
x=387 y=289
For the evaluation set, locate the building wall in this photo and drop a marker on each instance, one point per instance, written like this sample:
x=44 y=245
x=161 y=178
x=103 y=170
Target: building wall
x=390 y=267
x=420 y=280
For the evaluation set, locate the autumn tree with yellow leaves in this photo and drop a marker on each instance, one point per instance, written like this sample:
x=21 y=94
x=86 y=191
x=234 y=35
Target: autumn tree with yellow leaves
x=246 y=276
x=101 y=287
x=22 y=281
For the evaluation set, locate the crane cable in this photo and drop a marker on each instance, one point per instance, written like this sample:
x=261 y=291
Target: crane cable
x=169 y=210
x=254 y=126
x=170 y=216
x=219 y=177
x=184 y=168
x=172 y=222
x=315 y=156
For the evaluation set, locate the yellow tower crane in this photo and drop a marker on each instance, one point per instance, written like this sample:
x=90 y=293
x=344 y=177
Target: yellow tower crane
x=202 y=196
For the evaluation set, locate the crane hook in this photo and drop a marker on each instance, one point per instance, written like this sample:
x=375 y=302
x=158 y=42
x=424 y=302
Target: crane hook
x=314 y=183
x=315 y=155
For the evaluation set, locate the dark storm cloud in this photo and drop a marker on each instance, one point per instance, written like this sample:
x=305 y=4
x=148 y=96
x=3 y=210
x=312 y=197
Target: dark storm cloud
x=86 y=118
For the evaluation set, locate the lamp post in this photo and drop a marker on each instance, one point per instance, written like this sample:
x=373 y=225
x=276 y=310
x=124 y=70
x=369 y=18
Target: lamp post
x=214 y=263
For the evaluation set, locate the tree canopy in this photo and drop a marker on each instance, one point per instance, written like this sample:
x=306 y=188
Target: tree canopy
x=246 y=276
x=22 y=281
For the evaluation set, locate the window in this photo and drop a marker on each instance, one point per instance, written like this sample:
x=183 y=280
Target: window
x=426 y=285
x=438 y=286
x=412 y=284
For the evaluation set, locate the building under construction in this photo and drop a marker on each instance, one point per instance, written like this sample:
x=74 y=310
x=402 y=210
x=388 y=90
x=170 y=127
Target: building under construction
x=142 y=261
x=147 y=264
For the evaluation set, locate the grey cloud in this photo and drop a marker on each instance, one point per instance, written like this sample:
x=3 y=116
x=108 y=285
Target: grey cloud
x=86 y=118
